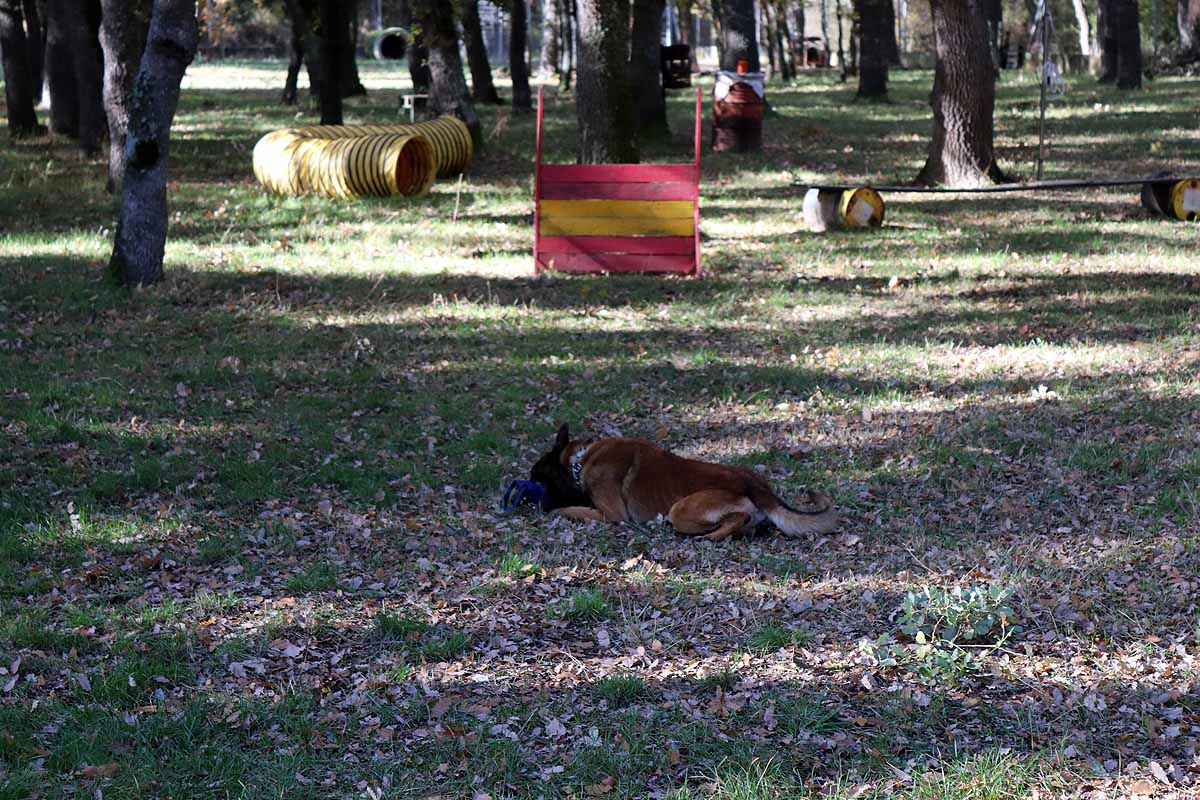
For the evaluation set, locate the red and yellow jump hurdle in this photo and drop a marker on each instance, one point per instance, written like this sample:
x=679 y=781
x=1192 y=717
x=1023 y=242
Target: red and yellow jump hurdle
x=617 y=217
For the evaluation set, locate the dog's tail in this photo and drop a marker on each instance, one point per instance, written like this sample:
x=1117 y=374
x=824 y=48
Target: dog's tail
x=817 y=516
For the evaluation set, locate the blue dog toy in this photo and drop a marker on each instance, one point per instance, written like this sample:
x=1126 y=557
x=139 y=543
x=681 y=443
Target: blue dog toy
x=521 y=492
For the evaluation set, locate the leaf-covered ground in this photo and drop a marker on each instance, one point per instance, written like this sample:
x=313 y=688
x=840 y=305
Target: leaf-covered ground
x=249 y=538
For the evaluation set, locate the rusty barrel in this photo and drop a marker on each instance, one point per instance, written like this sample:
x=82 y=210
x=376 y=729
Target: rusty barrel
x=738 y=105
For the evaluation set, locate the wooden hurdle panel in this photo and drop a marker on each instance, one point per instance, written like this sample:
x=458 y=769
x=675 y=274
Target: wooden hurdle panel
x=617 y=217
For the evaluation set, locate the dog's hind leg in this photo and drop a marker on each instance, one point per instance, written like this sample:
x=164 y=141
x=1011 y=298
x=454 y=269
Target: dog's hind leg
x=715 y=513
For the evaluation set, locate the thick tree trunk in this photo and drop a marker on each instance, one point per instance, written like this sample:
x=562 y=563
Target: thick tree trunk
x=483 y=89
x=35 y=36
x=1187 y=18
x=841 y=37
x=141 y=236
x=333 y=45
x=877 y=38
x=963 y=99
x=122 y=38
x=60 y=69
x=1106 y=31
x=787 y=42
x=687 y=27
x=645 y=70
x=738 y=39
x=518 y=65
x=18 y=83
x=448 y=93
x=1129 y=45
x=764 y=25
x=607 y=131
x=824 y=9
x=84 y=37
x=548 y=61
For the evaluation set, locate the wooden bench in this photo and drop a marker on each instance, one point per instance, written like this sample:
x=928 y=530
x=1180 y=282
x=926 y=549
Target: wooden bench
x=617 y=217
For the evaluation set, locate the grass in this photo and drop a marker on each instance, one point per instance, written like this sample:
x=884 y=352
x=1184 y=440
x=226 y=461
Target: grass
x=249 y=540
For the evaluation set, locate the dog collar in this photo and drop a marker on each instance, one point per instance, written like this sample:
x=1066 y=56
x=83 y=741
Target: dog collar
x=577 y=467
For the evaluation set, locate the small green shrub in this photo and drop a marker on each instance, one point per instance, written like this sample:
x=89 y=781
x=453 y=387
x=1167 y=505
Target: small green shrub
x=951 y=631
x=771 y=637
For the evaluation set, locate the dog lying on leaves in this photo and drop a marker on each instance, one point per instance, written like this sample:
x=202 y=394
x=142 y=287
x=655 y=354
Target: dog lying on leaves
x=632 y=480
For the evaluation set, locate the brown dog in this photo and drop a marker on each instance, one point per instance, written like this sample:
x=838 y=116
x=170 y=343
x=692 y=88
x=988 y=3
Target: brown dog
x=631 y=480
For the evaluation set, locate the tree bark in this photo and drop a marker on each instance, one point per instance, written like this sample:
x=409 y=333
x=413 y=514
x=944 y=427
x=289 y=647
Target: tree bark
x=141 y=236
x=893 y=43
x=1129 y=45
x=645 y=70
x=963 y=99
x=448 y=93
x=687 y=26
x=877 y=38
x=1083 y=26
x=570 y=36
x=83 y=29
x=483 y=89
x=291 y=92
x=333 y=45
x=607 y=132
x=1187 y=18
x=35 y=36
x=123 y=32
x=738 y=37
x=548 y=61
x=60 y=70
x=518 y=65
x=350 y=83
x=1106 y=31
x=18 y=83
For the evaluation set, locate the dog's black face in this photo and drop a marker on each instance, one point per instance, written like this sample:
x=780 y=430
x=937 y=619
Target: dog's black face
x=561 y=489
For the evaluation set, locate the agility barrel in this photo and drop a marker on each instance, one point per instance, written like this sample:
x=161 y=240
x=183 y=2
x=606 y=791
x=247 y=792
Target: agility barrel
x=1185 y=200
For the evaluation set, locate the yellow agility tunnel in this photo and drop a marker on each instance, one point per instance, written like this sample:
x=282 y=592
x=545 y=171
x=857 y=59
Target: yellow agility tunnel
x=449 y=136
x=379 y=165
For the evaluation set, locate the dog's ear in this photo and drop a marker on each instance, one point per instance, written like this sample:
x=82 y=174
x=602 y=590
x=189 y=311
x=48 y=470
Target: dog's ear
x=563 y=437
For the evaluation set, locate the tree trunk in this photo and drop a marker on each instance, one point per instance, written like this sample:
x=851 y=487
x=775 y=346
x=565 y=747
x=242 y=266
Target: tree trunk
x=1083 y=26
x=551 y=51
x=993 y=15
x=18 y=83
x=1129 y=45
x=483 y=89
x=83 y=30
x=60 y=69
x=963 y=99
x=893 y=43
x=349 y=80
x=877 y=38
x=1106 y=30
x=607 y=131
x=122 y=37
x=36 y=40
x=291 y=92
x=687 y=29
x=764 y=25
x=570 y=36
x=333 y=46
x=448 y=93
x=824 y=9
x=1187 y=18
x=787 y=42
x=739 y=41
x=518 y=65
x=645 y=70
x=141 y=236
x=841 y=36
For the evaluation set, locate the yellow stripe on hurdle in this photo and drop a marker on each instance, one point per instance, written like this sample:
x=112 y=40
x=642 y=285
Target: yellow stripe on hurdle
x=618 y=209
x=609 y=226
